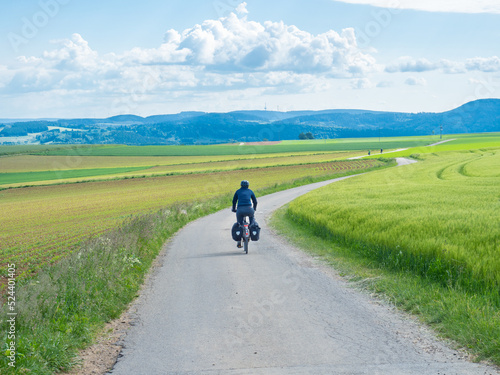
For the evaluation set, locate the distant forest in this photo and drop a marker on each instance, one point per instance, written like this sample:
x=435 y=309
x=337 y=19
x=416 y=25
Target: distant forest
x=250 y=126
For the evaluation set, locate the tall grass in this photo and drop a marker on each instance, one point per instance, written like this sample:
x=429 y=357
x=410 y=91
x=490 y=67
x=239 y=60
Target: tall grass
x=430 y=218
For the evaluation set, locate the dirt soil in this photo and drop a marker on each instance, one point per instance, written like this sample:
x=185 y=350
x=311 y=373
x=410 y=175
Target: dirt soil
x=100 y=358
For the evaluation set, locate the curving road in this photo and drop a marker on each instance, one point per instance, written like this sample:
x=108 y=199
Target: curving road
x=210 y=309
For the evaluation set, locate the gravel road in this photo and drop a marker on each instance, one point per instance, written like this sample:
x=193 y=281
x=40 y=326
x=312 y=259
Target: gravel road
x=210 y=309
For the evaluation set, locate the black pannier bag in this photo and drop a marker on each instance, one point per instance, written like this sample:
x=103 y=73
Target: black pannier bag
x=236 y=232
x=254 y=231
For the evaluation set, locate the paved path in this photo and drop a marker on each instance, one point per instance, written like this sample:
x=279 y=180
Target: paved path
x=210 y=309
x=400 y=149
x=441 y=142
x=381 y=154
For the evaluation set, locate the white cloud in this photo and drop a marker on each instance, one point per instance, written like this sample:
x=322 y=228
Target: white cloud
x=167 y=53
x=74 y=54
x=415 y=81
x=242 y=8
x=491 y=64
x=228 y=53
x=234 y=44
x=408 y=64
x=451 y=67
x=455 y=6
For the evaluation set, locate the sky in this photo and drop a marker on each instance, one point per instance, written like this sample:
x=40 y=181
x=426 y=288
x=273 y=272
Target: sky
x=71 y=58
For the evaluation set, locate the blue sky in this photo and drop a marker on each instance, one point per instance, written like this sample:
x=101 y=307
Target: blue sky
x=69 y=58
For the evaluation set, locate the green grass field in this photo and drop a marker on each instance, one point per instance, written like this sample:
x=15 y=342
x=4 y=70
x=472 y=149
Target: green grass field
x=42 y=224
x=30 y=149
x=236 y=149
x=25 y=177
x=33 y=170
x=40 y=163
x=438 y=217
x=57 y=164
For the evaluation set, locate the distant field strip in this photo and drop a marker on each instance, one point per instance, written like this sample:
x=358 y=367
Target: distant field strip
x=283 y=147
x=24 y=149
x=41 y=224
x=439 y=217
x=163 y=166
x=41 y=163
x=24 y=177
x=460 y=142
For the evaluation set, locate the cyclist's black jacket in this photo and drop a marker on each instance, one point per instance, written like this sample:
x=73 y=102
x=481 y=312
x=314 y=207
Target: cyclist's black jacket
x=244 y=197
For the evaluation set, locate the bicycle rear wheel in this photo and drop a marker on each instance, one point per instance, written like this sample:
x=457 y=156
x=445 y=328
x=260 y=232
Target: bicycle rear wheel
x=245 y=245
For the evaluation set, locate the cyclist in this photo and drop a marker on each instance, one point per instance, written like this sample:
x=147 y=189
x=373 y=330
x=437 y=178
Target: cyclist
x=245 y=199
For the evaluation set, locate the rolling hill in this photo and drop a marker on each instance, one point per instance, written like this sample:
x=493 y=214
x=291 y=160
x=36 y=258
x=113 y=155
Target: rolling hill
x=248 y=126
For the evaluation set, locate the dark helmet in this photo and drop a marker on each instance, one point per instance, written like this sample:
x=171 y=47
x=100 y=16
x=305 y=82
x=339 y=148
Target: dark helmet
x=245 y=183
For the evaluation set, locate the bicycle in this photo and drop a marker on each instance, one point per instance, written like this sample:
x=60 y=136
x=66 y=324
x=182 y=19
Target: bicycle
x=245 y=234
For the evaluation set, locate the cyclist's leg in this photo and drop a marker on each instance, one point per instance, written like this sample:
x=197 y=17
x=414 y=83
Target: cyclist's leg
x=251 y=215
x=239 y=216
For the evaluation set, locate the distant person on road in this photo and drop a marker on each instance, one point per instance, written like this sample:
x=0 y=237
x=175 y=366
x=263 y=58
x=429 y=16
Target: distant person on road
x=368 y=152
x=245 y=199
x=381 y=150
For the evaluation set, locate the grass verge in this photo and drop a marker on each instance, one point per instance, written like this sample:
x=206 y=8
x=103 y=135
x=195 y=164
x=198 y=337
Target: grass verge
x=64 y=306
x=470 y=320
